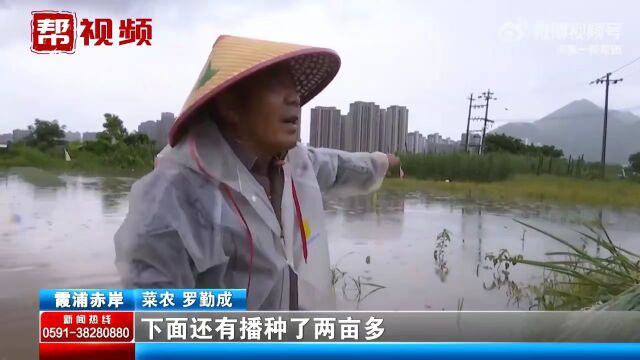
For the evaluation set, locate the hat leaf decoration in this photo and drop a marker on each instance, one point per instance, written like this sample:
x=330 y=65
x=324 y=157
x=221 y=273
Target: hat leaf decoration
x=206 y=75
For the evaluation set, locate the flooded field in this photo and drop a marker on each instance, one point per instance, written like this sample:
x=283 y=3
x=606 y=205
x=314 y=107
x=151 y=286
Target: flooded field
x=57 y=231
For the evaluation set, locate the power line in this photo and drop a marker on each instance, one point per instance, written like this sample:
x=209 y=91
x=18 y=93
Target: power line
x=625 y=65
x=602 y=78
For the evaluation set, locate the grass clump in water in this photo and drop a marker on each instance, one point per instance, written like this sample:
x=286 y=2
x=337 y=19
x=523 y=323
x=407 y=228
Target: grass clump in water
x=579 y=280
x=353 y=287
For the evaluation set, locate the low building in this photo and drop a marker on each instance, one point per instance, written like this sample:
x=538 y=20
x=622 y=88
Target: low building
x=72 y=136
x=89 y=136
x=19 y=134
x=5 y=138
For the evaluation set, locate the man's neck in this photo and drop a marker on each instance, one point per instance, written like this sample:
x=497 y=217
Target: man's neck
x=248 y=153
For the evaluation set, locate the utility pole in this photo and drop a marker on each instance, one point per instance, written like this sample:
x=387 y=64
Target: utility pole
x=487 y=96
x=477 y=118
x=466 y=145
x=606 y=80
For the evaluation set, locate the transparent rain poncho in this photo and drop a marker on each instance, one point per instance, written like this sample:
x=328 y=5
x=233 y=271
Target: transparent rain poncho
x=201 y=220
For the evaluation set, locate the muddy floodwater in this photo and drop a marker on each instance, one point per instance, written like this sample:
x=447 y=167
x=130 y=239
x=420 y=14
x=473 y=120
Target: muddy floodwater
x=57 y=231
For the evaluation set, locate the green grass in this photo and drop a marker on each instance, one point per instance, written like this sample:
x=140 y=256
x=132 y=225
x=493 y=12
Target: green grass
x=576 y=279
x=495 y=167
x=20 y=156
x=53 y=159
x=547 y=188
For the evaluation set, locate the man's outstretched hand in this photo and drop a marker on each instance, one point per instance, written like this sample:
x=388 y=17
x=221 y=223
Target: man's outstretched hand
x=395 y=166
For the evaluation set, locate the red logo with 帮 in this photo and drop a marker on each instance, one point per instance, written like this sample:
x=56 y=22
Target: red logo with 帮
x=53 y=32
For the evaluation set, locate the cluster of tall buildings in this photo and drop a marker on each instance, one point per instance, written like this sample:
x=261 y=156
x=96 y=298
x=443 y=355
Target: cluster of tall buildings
x=158 y=130
x=435 y=143
x=366 y=127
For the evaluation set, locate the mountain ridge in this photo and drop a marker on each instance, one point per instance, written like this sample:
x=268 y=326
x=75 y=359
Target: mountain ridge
x=576 y=128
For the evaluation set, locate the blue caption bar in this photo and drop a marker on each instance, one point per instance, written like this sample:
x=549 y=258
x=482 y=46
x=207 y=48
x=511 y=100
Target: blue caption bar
x=431 y=351
x=143 y=299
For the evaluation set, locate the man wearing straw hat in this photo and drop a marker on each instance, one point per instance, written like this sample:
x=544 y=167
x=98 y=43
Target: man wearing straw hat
x=235 y=202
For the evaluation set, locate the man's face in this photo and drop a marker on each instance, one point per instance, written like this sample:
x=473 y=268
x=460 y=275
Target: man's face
x=268 y=111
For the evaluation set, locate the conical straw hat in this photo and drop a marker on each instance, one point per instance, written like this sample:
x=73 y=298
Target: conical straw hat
x=235 y=58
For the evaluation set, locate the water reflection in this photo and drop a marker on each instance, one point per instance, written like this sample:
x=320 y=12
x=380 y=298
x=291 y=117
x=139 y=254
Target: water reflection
x=378 y=203
x=114 y=191
x=401 y=233
x=57 y=231
x=45 y=184
x=471 y=224
x=388 y=241
x=41 y=179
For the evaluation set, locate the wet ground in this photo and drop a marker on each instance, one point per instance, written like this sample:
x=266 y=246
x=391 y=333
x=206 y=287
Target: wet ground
x=57 y=230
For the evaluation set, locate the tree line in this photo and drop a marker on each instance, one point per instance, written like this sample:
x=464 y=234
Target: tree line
x=507 y=144
x=511 y=145
x=114 y=145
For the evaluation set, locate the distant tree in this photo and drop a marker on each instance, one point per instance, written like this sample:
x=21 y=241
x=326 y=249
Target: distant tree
x=551 y=151
x=45 y=133
x=137 y=139
x=114 y=130
x=503 y=143
x=509 y=144
x=634 y=160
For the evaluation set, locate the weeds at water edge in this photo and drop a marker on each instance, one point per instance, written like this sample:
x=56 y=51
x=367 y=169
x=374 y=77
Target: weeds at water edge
x=579 y=280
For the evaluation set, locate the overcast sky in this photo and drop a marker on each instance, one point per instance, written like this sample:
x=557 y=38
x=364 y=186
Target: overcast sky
x=427 y=55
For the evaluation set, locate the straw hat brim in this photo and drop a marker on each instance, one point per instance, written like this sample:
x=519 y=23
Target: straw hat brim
x=312 y=69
